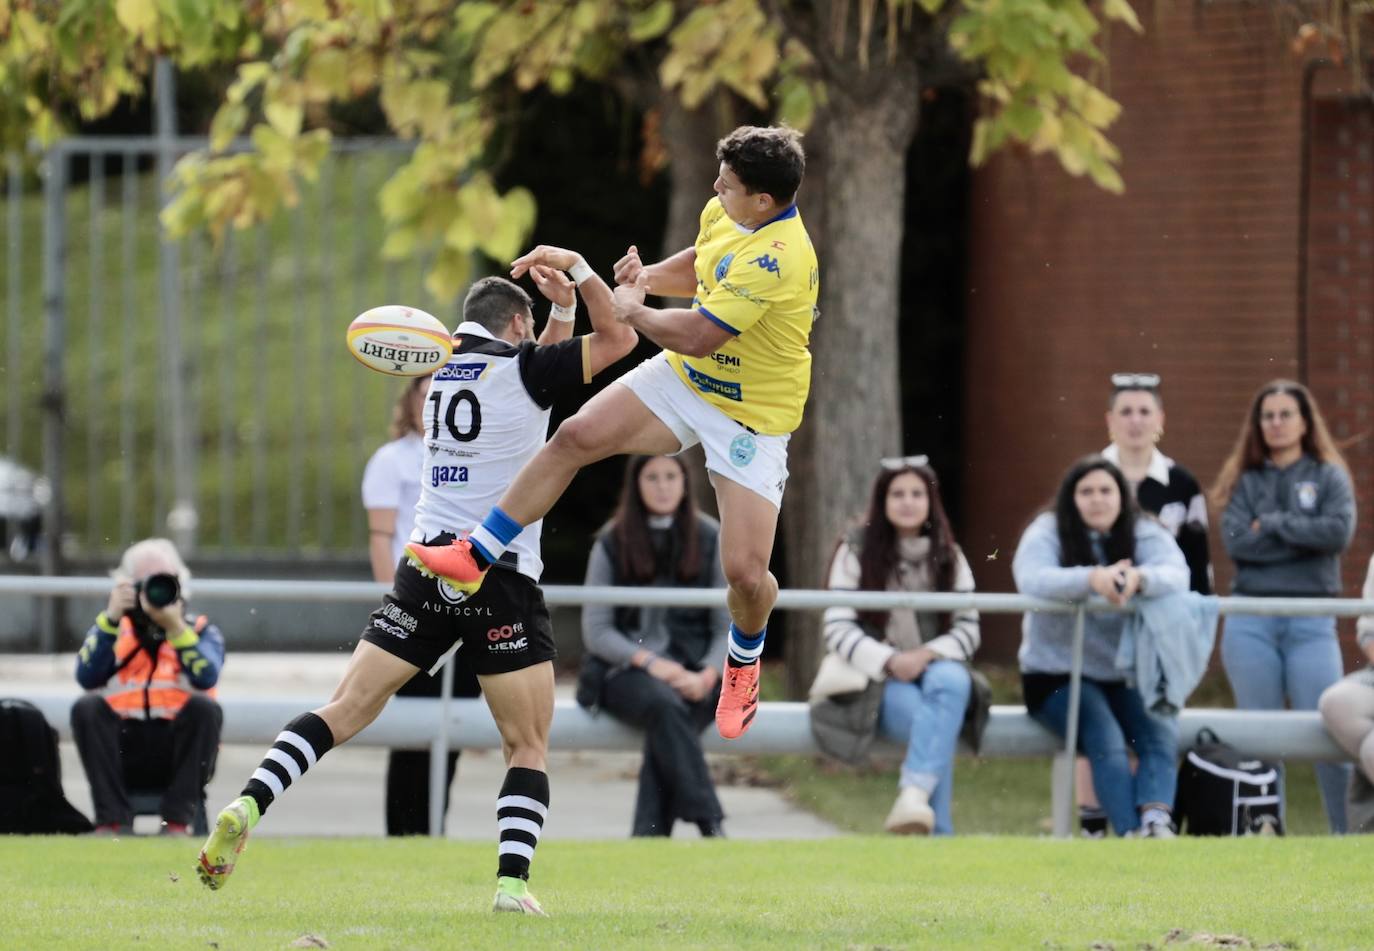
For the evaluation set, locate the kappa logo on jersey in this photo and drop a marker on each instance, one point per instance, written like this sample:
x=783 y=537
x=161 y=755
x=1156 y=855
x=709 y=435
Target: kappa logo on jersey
x=769 y=264
x=461 y=372
x=447 y=475
x=723 y=267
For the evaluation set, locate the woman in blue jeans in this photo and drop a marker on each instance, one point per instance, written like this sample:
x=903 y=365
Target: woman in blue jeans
x=1288 y=514
x=1096 y=542
x=905 y=544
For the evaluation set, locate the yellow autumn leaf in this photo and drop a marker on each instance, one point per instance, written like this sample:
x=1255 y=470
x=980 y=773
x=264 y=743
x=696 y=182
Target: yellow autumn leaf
x=139 y=17
x=448 y=275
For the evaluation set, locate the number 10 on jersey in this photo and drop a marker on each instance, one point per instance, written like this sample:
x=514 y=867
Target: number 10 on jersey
x=451 y=416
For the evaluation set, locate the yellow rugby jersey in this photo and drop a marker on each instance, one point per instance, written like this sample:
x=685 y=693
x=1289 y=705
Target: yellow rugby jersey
x=761 y=286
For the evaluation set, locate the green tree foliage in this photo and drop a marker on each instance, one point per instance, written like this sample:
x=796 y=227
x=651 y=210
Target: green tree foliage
x=432 y=65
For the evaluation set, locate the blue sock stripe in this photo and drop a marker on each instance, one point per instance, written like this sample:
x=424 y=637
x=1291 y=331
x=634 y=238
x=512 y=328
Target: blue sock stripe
x=502 y=527
x=744 y=641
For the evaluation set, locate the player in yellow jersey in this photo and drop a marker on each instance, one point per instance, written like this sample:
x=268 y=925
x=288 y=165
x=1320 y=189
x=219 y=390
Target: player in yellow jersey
x=733 y=376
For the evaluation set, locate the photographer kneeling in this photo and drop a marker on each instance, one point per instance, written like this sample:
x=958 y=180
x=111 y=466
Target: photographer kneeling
x=149 y=720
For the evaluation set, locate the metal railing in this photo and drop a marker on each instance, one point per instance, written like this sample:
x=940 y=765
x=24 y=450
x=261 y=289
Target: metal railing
x=795 y=600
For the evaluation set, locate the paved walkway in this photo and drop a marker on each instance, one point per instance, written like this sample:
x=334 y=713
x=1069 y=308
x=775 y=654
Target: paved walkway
x=593 y=793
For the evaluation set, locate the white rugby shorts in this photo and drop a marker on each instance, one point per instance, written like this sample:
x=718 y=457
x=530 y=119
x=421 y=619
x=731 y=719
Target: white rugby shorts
x=755 y=461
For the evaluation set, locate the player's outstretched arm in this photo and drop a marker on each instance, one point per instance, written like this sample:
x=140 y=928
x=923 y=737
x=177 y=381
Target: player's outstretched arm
x=610 y=339
x=674 y=276
x=679 y=329
x=562 y=293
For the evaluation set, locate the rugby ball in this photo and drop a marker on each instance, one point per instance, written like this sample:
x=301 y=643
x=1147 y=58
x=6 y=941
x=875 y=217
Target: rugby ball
x=399 y=340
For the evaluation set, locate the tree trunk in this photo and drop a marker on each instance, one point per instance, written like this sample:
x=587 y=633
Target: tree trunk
x=692 y=135
x=853 y=416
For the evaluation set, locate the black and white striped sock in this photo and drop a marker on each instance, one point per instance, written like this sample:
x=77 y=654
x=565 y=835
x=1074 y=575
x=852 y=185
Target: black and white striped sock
x=520 y=812
x=297 y=748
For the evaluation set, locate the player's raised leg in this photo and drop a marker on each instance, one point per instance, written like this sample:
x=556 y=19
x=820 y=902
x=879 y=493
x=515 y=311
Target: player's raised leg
x=521 y=703
x=748 y=524
x=373 y=675
x=612 y=422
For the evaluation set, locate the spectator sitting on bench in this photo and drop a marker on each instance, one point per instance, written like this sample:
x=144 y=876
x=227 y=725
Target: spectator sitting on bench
x=1347 y=708
x=149 y=719
x=656 y=668
x=1094 y=541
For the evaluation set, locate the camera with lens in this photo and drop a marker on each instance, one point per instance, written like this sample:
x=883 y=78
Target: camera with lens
x=160 y=589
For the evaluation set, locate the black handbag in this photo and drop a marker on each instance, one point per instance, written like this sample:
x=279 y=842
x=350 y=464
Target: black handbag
x=591 y=682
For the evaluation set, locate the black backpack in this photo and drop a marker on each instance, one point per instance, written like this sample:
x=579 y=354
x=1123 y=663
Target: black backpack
x=31 y=798
x=1221 y=792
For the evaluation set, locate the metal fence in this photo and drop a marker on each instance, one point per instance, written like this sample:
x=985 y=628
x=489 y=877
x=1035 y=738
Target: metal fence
x=799 y=600
x=186 y=389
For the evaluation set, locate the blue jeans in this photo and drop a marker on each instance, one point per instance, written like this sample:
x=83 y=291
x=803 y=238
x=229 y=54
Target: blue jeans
x=1272 y=659
x=1111 y=718
x=927 y=715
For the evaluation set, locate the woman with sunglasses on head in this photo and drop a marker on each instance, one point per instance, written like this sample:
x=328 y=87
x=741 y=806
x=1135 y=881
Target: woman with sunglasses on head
x=905 y=544
x=1289 y=513
x=660 y=665
x=1094 y=541
x=1162 y=487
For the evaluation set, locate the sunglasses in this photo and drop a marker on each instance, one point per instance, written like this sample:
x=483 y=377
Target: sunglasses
x=894 y=463
x=1135 y=381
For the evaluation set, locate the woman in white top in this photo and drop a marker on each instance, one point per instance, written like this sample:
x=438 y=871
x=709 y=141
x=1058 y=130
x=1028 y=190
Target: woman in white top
x=391 y=482
x=905 y=544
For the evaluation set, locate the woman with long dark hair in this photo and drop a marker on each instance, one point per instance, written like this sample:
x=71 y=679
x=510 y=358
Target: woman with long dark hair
x=1288 y=514
x=905 y=544
x=1095 y=542
x=663 y=663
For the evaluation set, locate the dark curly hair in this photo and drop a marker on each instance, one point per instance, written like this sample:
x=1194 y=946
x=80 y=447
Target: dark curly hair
x=767 y=159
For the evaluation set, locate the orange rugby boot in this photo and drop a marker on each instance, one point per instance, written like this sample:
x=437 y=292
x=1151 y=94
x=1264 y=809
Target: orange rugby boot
x=739 y=699
x=452 y=563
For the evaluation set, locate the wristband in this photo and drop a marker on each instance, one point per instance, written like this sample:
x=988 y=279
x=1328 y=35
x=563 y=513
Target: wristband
x=561 y=313
x=103 y=622
x=581 y=271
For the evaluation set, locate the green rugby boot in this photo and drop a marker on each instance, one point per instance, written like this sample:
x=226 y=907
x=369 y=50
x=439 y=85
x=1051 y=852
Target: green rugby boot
x=513 y=894
x=227 y=839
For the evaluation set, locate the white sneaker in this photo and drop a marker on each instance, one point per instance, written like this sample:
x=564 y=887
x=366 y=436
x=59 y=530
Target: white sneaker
x=1157 y=825
x=911 y=813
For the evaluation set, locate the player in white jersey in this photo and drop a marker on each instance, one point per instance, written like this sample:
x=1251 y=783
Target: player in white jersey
x=486 y=414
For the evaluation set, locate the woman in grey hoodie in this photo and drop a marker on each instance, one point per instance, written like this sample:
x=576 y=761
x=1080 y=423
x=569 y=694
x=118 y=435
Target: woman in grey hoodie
x=1288 y=514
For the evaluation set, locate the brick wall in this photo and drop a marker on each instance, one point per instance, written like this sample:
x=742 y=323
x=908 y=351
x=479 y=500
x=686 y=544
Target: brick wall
x=1193 y=273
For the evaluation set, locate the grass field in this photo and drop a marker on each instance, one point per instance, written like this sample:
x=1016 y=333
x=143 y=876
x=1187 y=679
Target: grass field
x=854 y=893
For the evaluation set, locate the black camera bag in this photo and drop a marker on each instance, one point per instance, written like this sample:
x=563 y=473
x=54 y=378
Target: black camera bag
x=31 y=798
x=1221 y=792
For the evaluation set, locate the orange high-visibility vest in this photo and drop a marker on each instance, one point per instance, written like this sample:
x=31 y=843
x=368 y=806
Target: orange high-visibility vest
x=144 y=689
